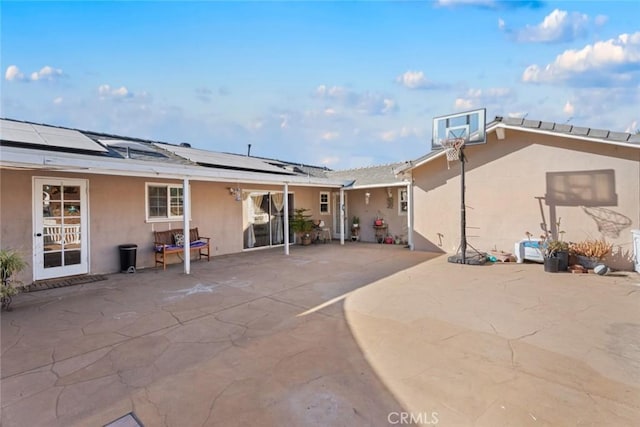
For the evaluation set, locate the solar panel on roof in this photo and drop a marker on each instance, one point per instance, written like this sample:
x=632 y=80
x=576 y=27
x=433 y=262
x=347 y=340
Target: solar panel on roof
x=224 y=160
x=132 y=145
x=26 y=133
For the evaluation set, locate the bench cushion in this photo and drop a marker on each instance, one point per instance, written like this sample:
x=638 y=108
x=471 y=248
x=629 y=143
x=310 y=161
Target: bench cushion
x=194 y=245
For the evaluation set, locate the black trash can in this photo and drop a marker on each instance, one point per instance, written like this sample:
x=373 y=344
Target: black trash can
x=128 y=258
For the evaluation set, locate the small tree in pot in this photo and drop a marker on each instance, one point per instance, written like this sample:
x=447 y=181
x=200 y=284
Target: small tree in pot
x=302 y=225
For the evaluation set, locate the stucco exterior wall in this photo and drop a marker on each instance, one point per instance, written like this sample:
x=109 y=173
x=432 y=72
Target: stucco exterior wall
x=506 y=194
x=117 y=216
x=397 y=223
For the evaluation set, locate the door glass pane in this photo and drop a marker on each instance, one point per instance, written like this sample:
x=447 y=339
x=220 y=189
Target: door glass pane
x=72 y=192
x=71 y=257
x=72 y=208
x=54 y=191
x=52 y=259
x=52 y=234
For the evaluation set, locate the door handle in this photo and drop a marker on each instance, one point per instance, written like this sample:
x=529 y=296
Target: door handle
x=38 y=234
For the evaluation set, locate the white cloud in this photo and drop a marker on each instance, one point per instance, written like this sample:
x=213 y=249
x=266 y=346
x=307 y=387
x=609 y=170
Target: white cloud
x=370 y=103
x=46 y=73
x=558 y=26
x=396 y=134
x=413 y=80
x=501 y=24
x=568 y=109
x=105 y=91
x=13 y=73
x=58 y=100
x=477 y=98
x=463 y=104
x=633 y=127
x=604 y=107
x=611 y=62
x=330 y=112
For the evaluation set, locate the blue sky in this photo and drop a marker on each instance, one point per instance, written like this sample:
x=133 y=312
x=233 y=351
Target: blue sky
x=340 y=84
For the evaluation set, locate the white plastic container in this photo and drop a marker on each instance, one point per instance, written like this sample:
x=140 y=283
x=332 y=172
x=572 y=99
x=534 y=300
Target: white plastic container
x=636 y=249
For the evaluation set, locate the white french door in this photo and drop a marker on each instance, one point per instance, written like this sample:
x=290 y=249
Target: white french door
x=336 y=216
x=60 y=240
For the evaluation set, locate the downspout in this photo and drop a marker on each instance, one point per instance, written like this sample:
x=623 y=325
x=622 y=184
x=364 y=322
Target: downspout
x=286 y=218
x=342 y=215
x=186 y=213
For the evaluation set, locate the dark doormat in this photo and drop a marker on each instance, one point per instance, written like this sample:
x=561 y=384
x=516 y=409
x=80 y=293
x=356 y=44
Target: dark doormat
x=41 y=285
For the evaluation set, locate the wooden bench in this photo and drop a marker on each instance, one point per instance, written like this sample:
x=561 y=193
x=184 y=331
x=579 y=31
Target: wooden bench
x=165 y=244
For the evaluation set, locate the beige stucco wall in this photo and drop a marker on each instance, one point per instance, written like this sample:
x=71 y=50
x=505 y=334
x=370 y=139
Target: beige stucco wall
x=357 y=206
x=117 y=216
x=503 y=180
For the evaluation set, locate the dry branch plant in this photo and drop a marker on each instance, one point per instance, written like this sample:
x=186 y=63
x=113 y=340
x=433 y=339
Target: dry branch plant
x=591 y=248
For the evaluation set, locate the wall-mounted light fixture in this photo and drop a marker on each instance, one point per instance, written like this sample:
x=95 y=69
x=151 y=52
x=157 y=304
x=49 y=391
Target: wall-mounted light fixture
x=367 y=196
x=236 y=193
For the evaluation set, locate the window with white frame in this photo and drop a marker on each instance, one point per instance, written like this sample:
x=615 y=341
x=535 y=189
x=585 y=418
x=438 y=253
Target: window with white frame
x=324 y=203
x=164 y=201
x=402 y=201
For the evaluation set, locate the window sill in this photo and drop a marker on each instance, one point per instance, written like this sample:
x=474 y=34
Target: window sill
x=157 y=220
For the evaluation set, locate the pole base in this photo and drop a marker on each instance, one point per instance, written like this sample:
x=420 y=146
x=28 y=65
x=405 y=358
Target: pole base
x=470 y=259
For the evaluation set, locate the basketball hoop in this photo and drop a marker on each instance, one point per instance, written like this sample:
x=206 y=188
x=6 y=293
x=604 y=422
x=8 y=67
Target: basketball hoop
x=452 y=147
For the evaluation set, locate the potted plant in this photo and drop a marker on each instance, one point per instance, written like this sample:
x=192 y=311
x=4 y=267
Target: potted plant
x=10 y=263
x=355 y=228
x=589 y=252
x=355 y=222
x=559 y=250
x=302 y=225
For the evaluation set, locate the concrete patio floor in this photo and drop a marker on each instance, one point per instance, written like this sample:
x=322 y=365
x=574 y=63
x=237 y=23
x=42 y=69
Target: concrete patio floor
x=361 y=334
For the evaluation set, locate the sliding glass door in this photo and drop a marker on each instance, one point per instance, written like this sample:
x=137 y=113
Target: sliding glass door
x=264 y=218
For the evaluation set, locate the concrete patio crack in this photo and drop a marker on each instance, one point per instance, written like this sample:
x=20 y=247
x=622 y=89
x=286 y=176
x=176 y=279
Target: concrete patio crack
x=213 y=402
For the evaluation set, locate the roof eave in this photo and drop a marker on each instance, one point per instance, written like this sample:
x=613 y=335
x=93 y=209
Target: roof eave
x=498 y=125
x=27 y=159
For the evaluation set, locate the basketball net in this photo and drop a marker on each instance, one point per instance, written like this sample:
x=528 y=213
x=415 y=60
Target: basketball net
x=452 y=147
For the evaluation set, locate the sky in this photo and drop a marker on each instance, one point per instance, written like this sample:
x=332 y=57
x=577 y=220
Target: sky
x=331 y=83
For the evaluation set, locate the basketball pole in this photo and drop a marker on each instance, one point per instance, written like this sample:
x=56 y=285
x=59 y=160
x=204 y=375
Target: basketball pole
x=463 y=211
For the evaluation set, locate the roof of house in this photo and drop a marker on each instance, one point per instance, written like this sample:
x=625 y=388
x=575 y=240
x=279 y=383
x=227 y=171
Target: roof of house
x=26 y=144
x=373 y=176
x=541 y=127
x=32 y=145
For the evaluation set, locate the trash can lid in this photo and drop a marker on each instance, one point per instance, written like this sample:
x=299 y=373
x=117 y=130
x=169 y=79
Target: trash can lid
x=128 y=246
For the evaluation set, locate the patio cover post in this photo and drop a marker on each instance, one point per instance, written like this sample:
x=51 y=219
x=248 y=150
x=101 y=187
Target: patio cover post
x=410 y=214
x=342 y=215
x=286 y=218
x=186 y=214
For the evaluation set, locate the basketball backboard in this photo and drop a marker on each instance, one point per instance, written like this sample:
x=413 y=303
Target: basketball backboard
x=469 y=125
